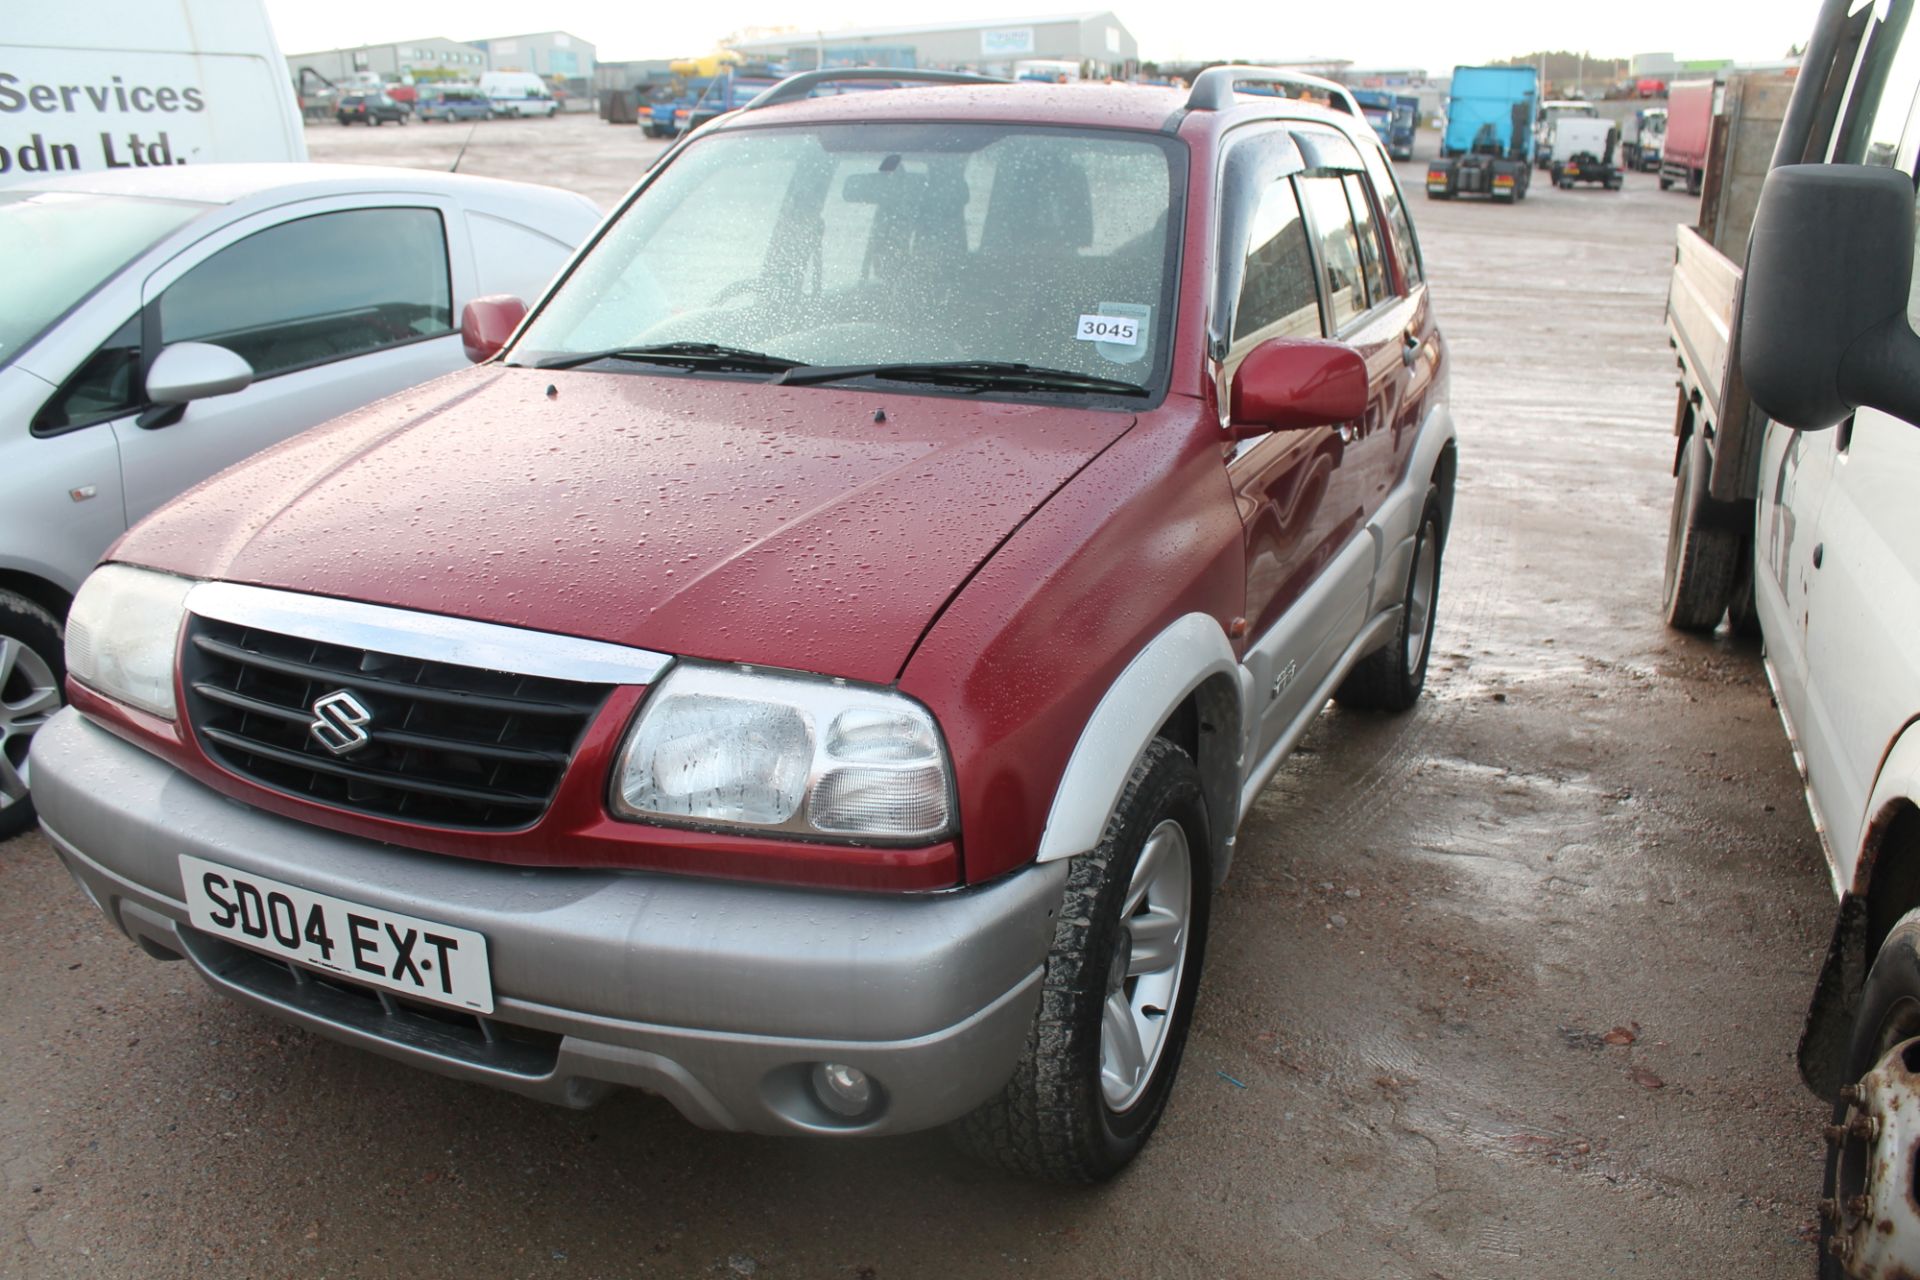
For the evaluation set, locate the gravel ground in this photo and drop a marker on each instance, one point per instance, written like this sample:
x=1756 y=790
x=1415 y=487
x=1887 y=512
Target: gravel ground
x=1507 y=986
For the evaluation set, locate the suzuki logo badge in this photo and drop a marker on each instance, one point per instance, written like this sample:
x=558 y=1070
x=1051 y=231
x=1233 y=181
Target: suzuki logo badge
x=337 y=723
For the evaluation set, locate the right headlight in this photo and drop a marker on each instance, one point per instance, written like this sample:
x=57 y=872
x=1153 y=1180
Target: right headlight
x=750 y=750
x=122 y=632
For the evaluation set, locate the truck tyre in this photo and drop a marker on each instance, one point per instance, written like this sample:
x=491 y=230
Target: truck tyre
x=1702 y=553
x=1390 y=678
x=1666 y=183
x=1882 y=1052
x=1118 y=993
x=33 y=670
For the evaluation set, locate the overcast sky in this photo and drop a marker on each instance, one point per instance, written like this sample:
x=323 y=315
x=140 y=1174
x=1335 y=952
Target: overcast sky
x=1431 y=34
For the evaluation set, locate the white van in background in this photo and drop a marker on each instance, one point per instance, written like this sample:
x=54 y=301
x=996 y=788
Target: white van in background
x=141 y=84
x=518 y=93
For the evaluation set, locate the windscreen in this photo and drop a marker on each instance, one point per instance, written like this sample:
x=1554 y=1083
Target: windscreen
x=868 y=243
x=60 y=247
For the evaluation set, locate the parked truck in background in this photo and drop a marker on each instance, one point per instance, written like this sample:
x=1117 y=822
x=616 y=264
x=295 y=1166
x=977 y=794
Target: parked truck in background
x=1583 y=150
x=1643 y=137
x=1394 y=117
x=1691 y=106
x=1552 y=112
x=1795 y=475
x=127 y=84
x=1488 y=145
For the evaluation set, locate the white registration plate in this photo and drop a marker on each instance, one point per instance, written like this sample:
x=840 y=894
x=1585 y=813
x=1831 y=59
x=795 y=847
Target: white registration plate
x=414 y=957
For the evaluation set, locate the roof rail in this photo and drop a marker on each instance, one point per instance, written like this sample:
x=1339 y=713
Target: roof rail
x=802 y=85
x=1213 y=88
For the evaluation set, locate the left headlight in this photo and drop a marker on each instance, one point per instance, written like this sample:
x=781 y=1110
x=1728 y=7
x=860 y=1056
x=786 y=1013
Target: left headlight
x=739 y=748
x=121 y=635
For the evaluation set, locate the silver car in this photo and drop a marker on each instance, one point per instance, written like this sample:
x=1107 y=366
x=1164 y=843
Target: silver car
x=166 y=323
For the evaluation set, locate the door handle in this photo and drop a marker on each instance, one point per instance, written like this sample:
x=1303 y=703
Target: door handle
x=1411 y=345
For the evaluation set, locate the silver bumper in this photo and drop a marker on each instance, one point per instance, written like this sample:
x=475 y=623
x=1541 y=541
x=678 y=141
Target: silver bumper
x=717 y=996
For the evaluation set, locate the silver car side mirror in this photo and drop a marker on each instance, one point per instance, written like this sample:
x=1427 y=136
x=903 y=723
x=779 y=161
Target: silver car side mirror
x=189 y=371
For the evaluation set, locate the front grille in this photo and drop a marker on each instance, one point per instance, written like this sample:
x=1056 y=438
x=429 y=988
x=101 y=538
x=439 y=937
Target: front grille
x=449 y=746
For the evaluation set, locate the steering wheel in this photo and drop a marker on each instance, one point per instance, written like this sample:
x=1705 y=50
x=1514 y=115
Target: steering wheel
x=744 y=285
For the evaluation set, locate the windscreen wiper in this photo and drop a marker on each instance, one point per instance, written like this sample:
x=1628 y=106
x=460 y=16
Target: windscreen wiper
x=980 y=374
x=690 y=355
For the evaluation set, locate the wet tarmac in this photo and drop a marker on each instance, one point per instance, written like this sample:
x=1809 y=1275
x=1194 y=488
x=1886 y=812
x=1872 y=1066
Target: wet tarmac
x=1507 y=986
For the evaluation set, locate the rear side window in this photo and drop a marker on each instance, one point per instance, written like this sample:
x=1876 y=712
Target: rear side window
x=1277 y=294
x=1325 y=198
x=1406 y=250
x=1373 y=251
x=320 y=289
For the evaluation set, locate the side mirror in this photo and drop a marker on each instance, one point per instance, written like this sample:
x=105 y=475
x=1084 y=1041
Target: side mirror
x=1823 y=324
x=486 y=324
x=188 y=371
x=1291 y=384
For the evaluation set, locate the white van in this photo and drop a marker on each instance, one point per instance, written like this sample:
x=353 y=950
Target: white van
x=518 y=93
x=134 y=84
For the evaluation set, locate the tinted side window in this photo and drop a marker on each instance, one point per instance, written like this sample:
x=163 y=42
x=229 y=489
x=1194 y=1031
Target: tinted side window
x=1406 y=250
x=1883 y=111
x=1325 y=198
x=106 y=386
x=1278 y=293
x=317 y=290
x=1373 y=250
x=1882 y=91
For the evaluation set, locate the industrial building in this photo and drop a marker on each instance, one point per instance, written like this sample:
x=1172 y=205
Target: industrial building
x=399 y=60
x=1095 y=41
x=545 y=53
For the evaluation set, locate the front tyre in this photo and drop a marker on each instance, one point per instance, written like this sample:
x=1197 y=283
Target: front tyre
x=1118 y=995
x=1390 y=678
x=32 y=671
x=1871 y=1180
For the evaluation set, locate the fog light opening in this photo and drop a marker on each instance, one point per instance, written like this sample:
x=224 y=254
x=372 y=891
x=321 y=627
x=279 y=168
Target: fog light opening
x=846 y=1091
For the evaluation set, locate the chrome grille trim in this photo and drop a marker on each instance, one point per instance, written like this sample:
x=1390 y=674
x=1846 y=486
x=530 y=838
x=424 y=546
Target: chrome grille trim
x=427 y=637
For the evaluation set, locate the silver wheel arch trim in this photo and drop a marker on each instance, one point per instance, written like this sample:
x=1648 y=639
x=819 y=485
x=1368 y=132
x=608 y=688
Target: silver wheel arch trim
x=1190 y=651
x=1185 y=655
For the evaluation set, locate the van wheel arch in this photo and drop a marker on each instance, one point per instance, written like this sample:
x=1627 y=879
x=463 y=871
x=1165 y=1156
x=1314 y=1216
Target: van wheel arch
x=1861 y=926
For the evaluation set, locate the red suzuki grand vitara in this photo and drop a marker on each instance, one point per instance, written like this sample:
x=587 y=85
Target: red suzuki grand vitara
x=816 y=668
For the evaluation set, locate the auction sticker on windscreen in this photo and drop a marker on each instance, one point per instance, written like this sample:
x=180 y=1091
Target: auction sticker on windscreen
x=417 y=958
x=1118 y=331
x=127 y=84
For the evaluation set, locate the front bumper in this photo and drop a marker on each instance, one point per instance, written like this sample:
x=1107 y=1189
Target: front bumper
x=718 y=996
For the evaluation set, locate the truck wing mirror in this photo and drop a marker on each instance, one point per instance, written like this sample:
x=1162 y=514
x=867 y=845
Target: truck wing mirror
x=1823 y=327
x=1293 y=384
x=486 y=324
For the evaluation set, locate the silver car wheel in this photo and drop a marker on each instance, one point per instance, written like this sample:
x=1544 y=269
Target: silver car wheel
x=29 y=695
x=1143 y=983
x=1426 y=572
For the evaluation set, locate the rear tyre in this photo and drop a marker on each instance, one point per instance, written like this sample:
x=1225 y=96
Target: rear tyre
x=1702 y=552
x=1390 y=678
x=1119 y=990
x=33 y=670
x=1666 y=183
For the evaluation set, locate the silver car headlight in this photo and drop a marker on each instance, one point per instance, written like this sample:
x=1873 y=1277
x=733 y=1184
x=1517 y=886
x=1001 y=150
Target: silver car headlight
x=121 y=635
x=741 y=748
